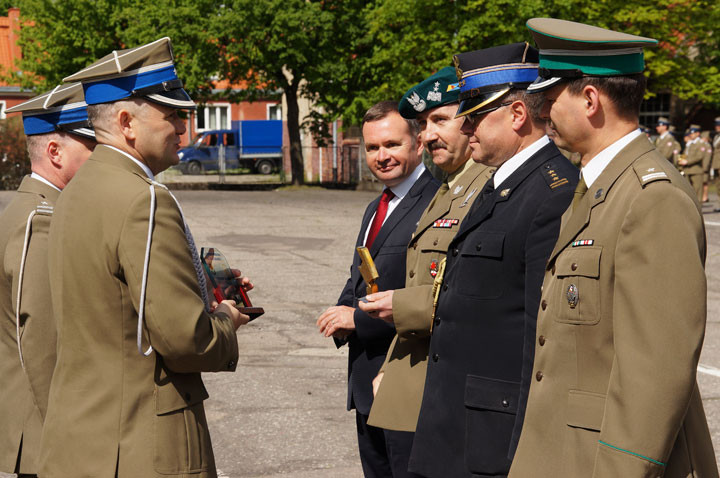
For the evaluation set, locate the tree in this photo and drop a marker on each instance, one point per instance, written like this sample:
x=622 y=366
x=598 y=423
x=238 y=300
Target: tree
x=299 y=47
x=14 y=159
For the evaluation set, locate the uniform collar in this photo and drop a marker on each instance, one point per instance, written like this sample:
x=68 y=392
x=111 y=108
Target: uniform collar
x=453 y=177
x=664 y=134
x=512 y=164
x=144 y=167
x=37 y=177
x=592 y=170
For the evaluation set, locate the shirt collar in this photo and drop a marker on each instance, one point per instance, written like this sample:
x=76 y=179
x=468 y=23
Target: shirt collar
x=404 y=187
x=664 y=134
x=592 y=170
x=43 y=180
x=142 y=165
x=453 y=177
x=512 y=164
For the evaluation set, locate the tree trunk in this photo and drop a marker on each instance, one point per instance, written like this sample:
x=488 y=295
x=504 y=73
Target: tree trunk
x=293 y=125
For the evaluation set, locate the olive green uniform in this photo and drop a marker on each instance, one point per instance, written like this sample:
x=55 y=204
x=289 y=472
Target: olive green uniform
x=23 y=394
x=668 y=147
x=693 y=170
x=397 y=403
x=614 y=391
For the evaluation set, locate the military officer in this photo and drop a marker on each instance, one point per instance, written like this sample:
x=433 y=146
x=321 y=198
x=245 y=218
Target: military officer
x=691 y=164
x=607 y=400
x=433 y=102
x=59 y=140
x=665 y=143
x=706 y=163
x=135 y=328
x=482 y=336
x=715 y=166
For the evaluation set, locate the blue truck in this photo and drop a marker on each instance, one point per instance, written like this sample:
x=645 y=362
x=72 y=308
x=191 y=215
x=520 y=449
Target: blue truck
x=251 y=144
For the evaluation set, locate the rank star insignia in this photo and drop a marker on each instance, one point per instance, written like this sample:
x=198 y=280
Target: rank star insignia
x=445 y=223
x=504 y=193
x=435 y=95
x=433 y=268
x=572 y=296
x=650 y=170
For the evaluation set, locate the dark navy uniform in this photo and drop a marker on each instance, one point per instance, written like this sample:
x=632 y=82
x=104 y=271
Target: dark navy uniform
x=482 y=343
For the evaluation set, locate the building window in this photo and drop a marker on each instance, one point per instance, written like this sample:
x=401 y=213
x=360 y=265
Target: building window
x=653 y=108
x=2 y=109
x=213 y=117
x=274 y=112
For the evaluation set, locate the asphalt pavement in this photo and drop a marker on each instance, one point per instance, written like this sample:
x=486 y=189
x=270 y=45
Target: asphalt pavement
x=282 y=413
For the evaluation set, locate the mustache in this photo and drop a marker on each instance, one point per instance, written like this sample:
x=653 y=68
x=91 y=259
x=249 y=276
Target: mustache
x=437 y=144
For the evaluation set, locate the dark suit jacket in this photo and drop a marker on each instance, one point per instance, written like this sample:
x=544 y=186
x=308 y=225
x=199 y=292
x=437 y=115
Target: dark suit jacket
x=482 y=345
x=371 y=339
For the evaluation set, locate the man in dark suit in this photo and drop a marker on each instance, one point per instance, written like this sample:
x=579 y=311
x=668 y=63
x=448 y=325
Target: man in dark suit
x=481 y=346
x=393 y=154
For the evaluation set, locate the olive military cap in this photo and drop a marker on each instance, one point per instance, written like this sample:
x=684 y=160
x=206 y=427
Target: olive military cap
x=439 y=89
x=61 y=109
x=146 y=72
x=572 y=50
x=488 y=75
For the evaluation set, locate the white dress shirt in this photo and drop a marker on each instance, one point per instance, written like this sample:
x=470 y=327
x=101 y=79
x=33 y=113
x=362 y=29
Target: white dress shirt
x=592 y=170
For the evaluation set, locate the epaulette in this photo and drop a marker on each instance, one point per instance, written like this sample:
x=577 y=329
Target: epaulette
x=552 y=177
x=649 y=171
x=45 y=208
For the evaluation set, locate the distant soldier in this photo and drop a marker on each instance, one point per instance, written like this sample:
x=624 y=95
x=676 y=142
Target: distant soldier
x=715 y=169
x=691 y=163
x=59 y=140
x=665 y=143
x=706 y=163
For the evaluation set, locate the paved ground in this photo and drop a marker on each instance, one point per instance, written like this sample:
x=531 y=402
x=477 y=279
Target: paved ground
x=282 y=413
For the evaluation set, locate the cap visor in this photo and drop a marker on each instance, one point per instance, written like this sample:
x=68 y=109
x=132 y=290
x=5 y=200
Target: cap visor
x=177 y=98
x=476 y=102
x=542 y=84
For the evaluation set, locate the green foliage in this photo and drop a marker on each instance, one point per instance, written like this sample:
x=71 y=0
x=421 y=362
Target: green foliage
x=60 y=37
x=14 y=160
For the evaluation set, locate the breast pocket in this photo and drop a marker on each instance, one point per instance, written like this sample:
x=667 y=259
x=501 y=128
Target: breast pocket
x=578 y=271
x=480 y=267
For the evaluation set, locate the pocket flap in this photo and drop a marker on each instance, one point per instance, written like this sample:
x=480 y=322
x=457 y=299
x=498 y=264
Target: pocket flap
x=491 y=394
x=583 y=261
x=585 y=409
x=178 y=392
x=486 y=244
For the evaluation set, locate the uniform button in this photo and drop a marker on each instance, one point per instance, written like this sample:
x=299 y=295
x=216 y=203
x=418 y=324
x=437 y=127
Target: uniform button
x=435 y=357
x=543 y=304
x=411 y=274
x=445 y=287
x=455 y=252
x=415 y=246
x=505 y=403
x=541 y=340
x=552 y=271
x=539 y=376
x=479 y=246
x=231 y=364
x=188 y=396
x=574 y=266
x=437 y=321
x=435 y=242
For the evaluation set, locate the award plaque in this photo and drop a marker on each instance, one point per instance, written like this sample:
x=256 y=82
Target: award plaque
x=225 y=285
x=367 y=269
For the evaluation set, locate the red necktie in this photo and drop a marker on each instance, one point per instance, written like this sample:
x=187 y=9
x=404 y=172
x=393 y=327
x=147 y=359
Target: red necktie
x=380 y=214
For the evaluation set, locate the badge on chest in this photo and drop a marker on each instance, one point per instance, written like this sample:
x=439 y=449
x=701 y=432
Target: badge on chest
x=445 y=223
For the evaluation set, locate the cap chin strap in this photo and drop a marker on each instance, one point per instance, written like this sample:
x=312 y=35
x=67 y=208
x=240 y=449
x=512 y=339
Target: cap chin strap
x=193 y=254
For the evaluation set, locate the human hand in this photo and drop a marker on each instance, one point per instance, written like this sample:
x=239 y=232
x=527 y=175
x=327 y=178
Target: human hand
x=242 y=280
x=337 y=321
x=376 y=382
x=682 y=162
x=228 y=307
x=379 y=305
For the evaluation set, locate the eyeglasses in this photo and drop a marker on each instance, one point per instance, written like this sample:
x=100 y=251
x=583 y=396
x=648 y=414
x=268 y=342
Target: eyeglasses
x=475 y=115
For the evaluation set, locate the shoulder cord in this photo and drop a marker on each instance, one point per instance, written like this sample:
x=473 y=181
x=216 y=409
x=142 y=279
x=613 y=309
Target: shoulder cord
x=20 y=282
x=193 y=253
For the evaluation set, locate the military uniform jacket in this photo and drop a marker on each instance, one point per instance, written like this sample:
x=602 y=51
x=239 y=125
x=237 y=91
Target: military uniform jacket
x=695 y=152
x=716 y=152
x=110 y=406
x=482 y=340
x=668 y=147
x=397 y=403
x=23 y=394
x=370 y=341
x=614 y=391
